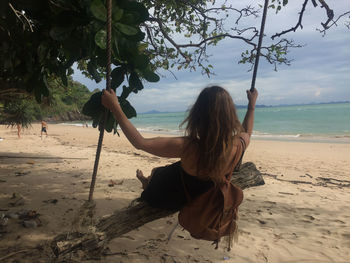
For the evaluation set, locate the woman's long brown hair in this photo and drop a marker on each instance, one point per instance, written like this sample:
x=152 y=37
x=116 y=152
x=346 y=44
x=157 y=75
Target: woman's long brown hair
x=211 y=125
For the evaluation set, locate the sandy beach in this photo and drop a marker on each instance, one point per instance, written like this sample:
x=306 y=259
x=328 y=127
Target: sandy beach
x=301 y=214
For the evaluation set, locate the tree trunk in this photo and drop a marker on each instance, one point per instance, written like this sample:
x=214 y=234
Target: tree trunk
x=129 y=218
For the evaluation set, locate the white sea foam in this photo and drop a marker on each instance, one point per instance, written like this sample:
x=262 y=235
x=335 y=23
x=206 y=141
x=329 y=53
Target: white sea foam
x=72 y=124
x=269 y=135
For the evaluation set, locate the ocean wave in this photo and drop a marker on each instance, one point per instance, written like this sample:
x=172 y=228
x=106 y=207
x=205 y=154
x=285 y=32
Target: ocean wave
x=72 y=124
x=270 y=135
x=160 y=130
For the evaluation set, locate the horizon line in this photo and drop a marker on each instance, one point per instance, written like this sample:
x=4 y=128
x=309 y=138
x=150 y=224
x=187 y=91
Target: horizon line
x=257 y=106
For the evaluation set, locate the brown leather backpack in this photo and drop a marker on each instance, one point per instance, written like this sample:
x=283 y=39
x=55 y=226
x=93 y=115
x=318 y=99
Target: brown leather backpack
x=213 y=214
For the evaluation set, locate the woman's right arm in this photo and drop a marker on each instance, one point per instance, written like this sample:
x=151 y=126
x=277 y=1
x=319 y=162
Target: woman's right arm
x=248 y=122
x=170 y=147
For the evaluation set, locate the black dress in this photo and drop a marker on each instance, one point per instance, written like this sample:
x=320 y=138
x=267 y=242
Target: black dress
x=166 y=190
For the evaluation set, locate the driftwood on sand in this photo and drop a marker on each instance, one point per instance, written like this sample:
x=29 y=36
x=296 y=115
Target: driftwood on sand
x=93 y=241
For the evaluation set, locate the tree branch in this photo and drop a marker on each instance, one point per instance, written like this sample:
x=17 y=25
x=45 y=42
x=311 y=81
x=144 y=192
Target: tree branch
x=334 y=23
x=301 y=14
x=19 y=16
x=330 y=13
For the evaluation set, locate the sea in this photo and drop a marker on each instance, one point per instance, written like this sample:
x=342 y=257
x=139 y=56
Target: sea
x=317 y=122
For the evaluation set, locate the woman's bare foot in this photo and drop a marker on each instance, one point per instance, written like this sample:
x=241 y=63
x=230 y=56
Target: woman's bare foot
x=144 y=180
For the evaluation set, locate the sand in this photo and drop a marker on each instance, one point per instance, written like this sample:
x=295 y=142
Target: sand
x=301 y=214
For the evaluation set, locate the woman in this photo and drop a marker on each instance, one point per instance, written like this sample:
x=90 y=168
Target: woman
x=213 y=139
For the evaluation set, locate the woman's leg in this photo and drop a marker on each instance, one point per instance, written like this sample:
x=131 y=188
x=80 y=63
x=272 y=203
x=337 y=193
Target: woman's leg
x=144 y=180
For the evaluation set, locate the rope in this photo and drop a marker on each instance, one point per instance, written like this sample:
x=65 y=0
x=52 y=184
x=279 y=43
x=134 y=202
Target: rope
x=261 y=35
x=108 y=87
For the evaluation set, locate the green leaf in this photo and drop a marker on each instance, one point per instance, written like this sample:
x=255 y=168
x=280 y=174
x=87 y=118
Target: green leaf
x=97 y=119
x=118 y=76
x=117 y=13
x=125 y=29
x=285 y=2
x=137 y=37
x=91 y=67
x=141 y=61
x=101 y=39
x=93 y=106
x=129 y=110
x=98 y=10
x=110 y=122
x=125 y=93
x=135 y=82
x=60 y=33
x=150 y=76
x=141 y=10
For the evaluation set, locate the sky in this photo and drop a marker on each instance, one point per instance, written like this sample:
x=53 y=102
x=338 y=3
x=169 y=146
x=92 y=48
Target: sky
x=319 y=72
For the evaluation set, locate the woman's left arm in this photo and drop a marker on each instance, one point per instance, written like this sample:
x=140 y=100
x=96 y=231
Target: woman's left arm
x=170 y=147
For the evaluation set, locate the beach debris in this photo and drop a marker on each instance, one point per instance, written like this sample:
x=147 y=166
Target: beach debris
x=226 y=258
x=285 y=193
x=261 y=221
x=308 y=175
x=21 y=173
x=13 y=216
x=17 y=200
x=3 y=220
x=51 y=201
x=2 y=181
x=29 y=224
x=309 y=217
x=29 y=218
x=27 y=214
x=307 y=191
x=324 y=181
x=3 y=224
x=113 y=183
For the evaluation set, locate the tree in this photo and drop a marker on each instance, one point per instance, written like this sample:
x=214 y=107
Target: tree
x=19 y=112
x=41 y=39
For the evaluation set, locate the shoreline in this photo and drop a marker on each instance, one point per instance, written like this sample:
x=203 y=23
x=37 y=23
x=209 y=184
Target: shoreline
x=317 y=138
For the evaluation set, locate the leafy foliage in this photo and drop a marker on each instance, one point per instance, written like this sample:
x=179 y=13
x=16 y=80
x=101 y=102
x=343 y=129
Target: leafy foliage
x=58 y=33
x=22 y=112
